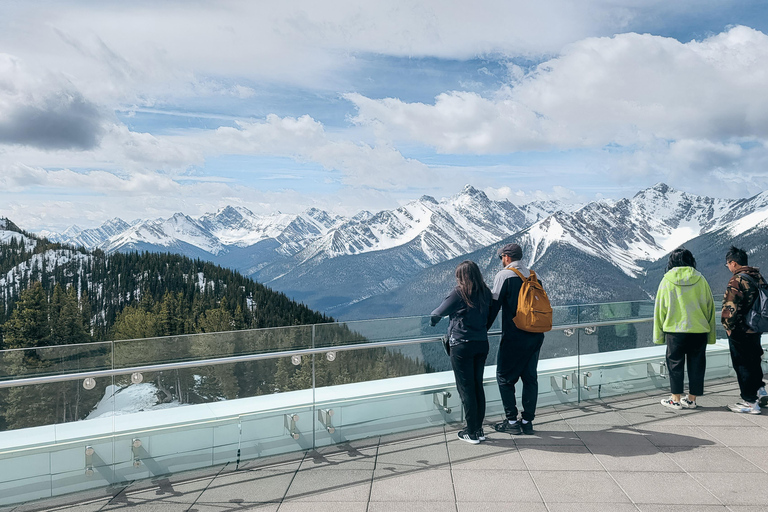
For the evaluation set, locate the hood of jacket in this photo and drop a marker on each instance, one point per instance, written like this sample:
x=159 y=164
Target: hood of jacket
x=752 y=272
x=683 y=276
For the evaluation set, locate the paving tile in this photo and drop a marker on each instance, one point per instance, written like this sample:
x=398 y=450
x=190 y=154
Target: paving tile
x=410 y=506
x=578 y=487
x=757 y=455
x=49 y=506
x=323 y=485
x=353 y=459
x=608 y=417
x=252 y=486
x=719 y=416
x=338 y=506
x=560 y=458
x=710 y=459
x=497 y=452
x=598 y=440
x=676 y=435
x=663 y=488
x=424 y=453
x=739 y=436
x=645 y=507
x=592 y=507
x=495 y=486
x=506 y=506
x=227 y=507
x=171 y=495
x=642 y=419
x=636 y=459
x=736 y=488
x=413 y=486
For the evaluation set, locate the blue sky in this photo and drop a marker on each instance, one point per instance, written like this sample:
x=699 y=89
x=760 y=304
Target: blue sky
x=145 y=109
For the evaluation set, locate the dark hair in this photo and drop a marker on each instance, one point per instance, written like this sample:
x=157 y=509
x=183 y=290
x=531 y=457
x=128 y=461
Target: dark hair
x=737 y=255
x=681 y=257
x=470 y=282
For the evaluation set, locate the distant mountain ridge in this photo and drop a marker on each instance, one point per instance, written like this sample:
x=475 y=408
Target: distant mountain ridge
x=340 y=265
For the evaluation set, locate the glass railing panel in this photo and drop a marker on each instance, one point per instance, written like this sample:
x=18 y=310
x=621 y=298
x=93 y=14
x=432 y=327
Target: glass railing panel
x=55 y=360
x=192 y=347
x=368 y=391
x=384 y=329
x=278 y=428
x=47 y=432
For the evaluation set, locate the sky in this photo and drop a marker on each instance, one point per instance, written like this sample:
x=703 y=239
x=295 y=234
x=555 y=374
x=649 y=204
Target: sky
x=143 y=109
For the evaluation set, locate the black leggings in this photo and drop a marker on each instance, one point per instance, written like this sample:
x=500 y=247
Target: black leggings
x=693 y=347
x=468 y=362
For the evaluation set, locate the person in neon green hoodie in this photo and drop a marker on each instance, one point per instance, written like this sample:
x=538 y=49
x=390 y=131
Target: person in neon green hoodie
x=684 y=319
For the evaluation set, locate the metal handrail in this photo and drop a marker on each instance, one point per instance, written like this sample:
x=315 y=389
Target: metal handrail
x=48 y=379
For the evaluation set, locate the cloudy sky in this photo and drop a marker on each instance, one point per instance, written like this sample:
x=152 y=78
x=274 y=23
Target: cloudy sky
x=141 y=109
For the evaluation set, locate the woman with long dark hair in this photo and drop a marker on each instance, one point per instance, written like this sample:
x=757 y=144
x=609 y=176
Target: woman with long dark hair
x=684 y=319
x=467 y=307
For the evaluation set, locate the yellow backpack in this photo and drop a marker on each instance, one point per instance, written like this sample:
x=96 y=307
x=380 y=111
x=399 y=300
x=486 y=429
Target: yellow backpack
x=534 y=312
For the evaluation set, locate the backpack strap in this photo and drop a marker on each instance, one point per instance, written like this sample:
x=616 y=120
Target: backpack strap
x=532 y=277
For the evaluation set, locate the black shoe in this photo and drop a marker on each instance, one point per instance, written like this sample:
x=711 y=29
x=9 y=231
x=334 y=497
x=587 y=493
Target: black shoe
x=509 y=428
x=469 y=438
x=527 y=428
x=480 y=434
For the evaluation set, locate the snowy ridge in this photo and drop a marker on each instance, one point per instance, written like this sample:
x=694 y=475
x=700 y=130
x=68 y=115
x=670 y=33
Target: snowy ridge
x=26 y=271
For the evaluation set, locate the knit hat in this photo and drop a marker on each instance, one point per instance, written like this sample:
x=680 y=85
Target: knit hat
x=514 y=251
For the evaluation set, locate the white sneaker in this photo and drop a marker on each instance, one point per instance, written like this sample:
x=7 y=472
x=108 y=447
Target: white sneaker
x=687 y=404
x=745 y=407
x=762 y=396
x=668 y=402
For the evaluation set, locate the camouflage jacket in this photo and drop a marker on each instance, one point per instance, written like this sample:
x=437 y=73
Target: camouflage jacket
x=738 y=299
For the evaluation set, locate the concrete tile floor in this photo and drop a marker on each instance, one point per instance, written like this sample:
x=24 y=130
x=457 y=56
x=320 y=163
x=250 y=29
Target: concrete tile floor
x=624 y=454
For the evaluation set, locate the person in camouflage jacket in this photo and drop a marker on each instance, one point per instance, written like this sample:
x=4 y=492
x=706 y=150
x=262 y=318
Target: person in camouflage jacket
x=746 y=349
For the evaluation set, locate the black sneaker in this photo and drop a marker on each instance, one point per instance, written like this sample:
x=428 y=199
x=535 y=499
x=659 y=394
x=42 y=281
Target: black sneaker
x=469 y=438
x=527 y=428
x=480 y=434
x=509 y=428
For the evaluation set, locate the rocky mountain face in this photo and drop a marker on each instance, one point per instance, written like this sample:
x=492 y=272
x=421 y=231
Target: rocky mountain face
x=391 y=262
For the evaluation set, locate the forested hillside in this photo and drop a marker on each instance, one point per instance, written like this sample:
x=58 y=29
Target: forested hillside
x=59 y=302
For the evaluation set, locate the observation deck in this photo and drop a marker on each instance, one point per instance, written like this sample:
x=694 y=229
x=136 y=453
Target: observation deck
x=363 y=416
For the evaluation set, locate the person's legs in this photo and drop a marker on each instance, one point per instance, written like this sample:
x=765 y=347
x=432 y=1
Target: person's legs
x=696 y=354
x=530 y=377
x=746 y=355
x=675 y=363
x=479 y=367
x=507 y=373
x=462 y=361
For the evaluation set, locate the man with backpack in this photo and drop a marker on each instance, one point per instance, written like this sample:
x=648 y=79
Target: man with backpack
x=742 y=324
x=524 y=319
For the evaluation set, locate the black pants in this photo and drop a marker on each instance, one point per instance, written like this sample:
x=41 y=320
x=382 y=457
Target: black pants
x=518 y=359
x=690 y=346
x=746 y=354
x=468 y=362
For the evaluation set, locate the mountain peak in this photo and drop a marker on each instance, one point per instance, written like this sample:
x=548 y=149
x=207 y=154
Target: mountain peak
x=428 y=199
x=7 y=225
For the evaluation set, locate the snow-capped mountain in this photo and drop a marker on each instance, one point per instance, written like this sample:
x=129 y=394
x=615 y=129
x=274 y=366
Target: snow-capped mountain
x=330 y=262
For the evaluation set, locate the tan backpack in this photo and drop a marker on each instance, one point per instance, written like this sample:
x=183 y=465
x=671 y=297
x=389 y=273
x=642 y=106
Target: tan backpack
x=534 y=312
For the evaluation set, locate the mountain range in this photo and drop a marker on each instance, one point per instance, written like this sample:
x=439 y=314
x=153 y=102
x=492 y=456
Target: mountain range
x=400 y=262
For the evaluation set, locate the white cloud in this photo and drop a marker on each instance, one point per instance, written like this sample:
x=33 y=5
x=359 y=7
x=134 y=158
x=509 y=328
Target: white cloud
x=629 y=89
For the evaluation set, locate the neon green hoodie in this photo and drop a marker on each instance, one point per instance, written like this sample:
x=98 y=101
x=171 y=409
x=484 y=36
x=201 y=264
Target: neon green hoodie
x=684 y=303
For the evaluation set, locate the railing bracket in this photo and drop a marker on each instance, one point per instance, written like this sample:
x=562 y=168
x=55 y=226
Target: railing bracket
x=324 y=417
x=290 y=425
x=440 y=399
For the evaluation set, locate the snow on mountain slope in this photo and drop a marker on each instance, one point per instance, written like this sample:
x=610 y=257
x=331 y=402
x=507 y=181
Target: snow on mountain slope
x=445 y=229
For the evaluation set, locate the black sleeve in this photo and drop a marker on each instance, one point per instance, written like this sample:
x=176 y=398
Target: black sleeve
x=493 y=311
x=449 y=305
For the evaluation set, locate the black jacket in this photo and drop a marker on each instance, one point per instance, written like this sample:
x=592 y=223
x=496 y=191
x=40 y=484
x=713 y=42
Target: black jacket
x=467 y=323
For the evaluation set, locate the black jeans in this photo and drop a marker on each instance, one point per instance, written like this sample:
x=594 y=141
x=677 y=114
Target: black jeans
x=518 y=359
x=468 y=362
x=746 y=355
x=693 y=347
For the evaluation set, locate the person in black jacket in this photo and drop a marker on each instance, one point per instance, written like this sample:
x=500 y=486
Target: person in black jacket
x=467 y=307
x=518 y=356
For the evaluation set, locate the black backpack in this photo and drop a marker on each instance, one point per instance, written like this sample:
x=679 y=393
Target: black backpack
x=757 y=316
